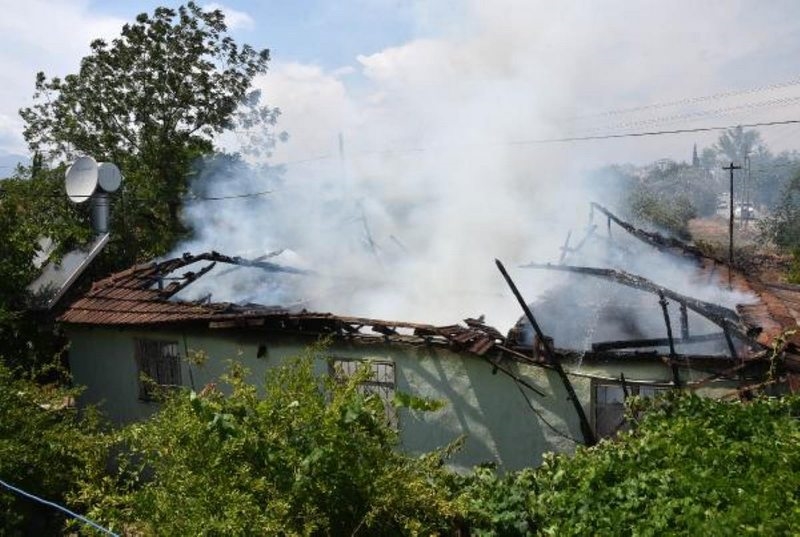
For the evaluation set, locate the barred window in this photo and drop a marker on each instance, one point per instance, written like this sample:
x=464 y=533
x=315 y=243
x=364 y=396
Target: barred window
x=609 y=405
x=381 y=381
x=158 y=365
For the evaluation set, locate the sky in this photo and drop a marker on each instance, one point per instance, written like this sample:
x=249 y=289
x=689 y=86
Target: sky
x=377 y=70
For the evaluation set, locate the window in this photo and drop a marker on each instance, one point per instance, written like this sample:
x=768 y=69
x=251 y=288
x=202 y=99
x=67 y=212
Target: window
x=380 y=383
x=609 y=405
x=158 y=365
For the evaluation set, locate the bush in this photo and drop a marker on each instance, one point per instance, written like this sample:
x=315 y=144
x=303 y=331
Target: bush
x=45 y=447
x=311 y=457
x=692 y=466
x=670 y=213
x=783 y=226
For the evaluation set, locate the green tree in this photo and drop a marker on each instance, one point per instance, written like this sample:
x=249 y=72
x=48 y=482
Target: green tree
x=312 y=456
x=151 y=101
x=32 y=206
x=45 y=448
x=734 y=144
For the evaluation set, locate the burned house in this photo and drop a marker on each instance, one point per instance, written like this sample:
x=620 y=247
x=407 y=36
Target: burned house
x=551 y=383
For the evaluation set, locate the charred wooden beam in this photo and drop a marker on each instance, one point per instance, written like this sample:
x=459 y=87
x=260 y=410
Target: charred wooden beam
x=589 y=436
x=727 y=373
x=383 y=329
x=663 y=302
x=654 y=342
x=175 y=287
x=729 y=341
x=653 y=239
x=719 y=315
x=565 y=248
x=625 y=391
x=264 y=265
x=684 y=322
x=259 y=258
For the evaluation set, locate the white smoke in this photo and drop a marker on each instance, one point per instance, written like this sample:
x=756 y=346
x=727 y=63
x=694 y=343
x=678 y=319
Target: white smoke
x=432 y=183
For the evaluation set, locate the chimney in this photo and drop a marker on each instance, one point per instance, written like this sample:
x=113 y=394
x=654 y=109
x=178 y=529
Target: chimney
x=100 y=212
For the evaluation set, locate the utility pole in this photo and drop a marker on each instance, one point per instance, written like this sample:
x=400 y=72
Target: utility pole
x=746 y=190
x=730 y=168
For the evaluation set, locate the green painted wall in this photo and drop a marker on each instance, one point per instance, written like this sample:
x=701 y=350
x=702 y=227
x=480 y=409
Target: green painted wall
x=489 y=409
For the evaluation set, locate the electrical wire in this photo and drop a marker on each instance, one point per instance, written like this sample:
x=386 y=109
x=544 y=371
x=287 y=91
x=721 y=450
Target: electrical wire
x=541 y=417
x=233 y=196
x=73 y=514
x=649 y=133
x=701 y=114
x=694 y=100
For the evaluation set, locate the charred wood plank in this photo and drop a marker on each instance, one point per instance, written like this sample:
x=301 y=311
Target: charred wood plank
x=385 y=330
x=175 y=287
x=719 y=315
x=684 y=322
x=565 y=248
x=675 y=375
x=653 y=239
x=264 y=265
x=625 y=391
x=654 y=342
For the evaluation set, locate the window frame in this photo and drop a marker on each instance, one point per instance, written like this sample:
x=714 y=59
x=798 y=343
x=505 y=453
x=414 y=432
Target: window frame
x=384 y=389
x=159 y=362
x=634 y=389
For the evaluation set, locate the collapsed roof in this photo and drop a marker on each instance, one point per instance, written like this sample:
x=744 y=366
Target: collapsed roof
x=145 y=296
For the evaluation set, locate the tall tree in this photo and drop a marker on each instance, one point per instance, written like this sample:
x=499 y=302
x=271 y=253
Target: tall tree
x=151 y=101
x=734 y=144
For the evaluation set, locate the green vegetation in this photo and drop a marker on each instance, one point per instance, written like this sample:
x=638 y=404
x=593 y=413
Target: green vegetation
x=315 y=456
x=311 y=457
x=46 y=448
x=691 y=466
x=151 y=101
x=666 y=194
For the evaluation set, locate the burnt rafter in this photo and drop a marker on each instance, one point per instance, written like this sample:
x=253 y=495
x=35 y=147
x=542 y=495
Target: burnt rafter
x=589 y=436
x=723 y=317
x=156 y=272
x=187 y=278
x=653 y=239
x=654 y=342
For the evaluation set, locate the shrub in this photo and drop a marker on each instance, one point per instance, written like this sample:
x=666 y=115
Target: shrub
x=313 y=456
x=45 y=447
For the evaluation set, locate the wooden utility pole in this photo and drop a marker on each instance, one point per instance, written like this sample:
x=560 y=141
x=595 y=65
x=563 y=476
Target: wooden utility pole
x=730 y=168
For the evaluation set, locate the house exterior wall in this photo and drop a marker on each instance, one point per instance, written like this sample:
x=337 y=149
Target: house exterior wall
x=490 y=410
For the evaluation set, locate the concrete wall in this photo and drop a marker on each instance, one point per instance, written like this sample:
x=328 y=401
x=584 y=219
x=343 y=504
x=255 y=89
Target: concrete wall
x=489 y=409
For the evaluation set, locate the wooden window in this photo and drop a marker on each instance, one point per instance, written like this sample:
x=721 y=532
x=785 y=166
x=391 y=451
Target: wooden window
x=158 y=366
x=608 y=401
x=381 y=381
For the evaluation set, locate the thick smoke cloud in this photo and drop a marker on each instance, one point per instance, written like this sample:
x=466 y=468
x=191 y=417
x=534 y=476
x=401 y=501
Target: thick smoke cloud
x=430 y=183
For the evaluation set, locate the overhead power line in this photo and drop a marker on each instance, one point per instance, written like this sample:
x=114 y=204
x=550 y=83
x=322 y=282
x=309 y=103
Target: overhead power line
x=694 y=100
x=232 y=196
x=649 y=133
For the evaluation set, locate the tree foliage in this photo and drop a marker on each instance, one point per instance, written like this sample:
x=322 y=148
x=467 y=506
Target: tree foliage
x=45 y=449
x=691 y=466
x=151 y=101
x=31 y=207
x=736 y=143
x=311 y=457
